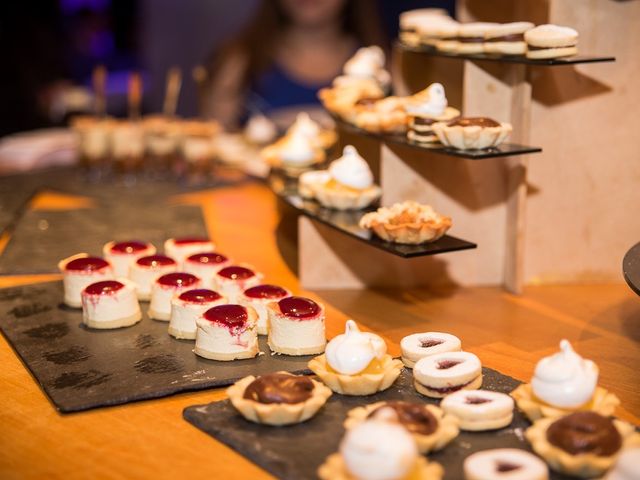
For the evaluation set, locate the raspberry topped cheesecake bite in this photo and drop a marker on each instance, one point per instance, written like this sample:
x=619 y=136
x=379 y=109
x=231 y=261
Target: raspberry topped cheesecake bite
x=183 y=247
x=296 y=326
x=78 y=272
x=232 y=280
x=227 y=332
x=145 y=270
x=110 y=304
x=124 y=254
x=259 y=297
x=165 y=288
x=205 y=265
x=187 y=307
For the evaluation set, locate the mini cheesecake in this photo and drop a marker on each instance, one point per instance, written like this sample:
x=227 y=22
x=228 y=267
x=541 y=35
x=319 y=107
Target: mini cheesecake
x=80 y=271
x=181 y=248
x=110 y=304
x=205 y=265
x=146 y=270
x=165 y=288
x=227 y=332
x=124 y=254
x=259 y=297
x=187 y=307
x=296 y=326
x=231 y=281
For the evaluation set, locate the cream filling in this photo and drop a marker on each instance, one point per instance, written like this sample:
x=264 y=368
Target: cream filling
x=296 y=334
x=120 y=304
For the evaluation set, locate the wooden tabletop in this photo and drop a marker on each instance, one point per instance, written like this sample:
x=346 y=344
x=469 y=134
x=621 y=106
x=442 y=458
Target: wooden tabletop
x=150 y=439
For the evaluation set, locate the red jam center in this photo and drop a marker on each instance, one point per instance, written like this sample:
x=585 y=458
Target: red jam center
x=266 y=291
x=236 y=273
x=104 y=288
x=445 y=364
x=430 y=342
x=199 y=295
x=211 y=258
x=299 y=307
x=177 y=279
x=128 y=247
x=86 y=264
x=476 y=400
x=188 y=240
x=155 y=261
x=230 y=316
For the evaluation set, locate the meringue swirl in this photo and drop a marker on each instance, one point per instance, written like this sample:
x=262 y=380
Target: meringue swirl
x=297 y=150
x=351 y=169
x=304 y=126
x=432 y=102
x=351 y=352
x=565 y=379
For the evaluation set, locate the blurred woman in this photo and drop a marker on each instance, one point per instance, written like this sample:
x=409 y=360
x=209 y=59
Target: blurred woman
x=290 y=50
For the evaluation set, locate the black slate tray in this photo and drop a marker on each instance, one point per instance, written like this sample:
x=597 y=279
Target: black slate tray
x=296 y=452
x=80 y=369
x=41 y=238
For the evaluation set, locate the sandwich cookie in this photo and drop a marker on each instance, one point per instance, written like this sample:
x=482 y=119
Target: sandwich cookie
x=504 y=464
x=479 y=410
x=471 y=37
x=551 y=41
x=420 y=345
x=507 y=38
x=439 y=375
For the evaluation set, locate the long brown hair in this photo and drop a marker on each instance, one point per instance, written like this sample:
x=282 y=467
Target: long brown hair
x=257 y=41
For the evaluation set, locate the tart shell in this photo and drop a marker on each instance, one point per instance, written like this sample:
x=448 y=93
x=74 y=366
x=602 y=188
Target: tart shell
x=346 y=199
x=334 y=468
x=277 y=414
x=472 y=137
x=361 y=384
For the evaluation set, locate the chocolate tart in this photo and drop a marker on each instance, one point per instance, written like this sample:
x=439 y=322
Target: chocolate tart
x=430 y=427
x=472 y=133
x=278 y=398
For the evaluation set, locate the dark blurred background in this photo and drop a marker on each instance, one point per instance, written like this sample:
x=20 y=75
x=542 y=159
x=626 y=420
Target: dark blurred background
x=50 y=46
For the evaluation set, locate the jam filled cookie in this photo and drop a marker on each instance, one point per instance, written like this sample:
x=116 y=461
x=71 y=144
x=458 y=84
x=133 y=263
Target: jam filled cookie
x=431 y=428
x=296 y=326
x=187 y=307
x=478 y=410
x=227 y=332
x=472 y=133
x=582 y=444
x=378 y=449
x=110 y=304
x=356 y=363
x=562 y=383
x=507 y=38
x=551 y=41
x=259 y=297
x=80 y=271
x=439 y=375
x=504 y=464
x=278 y=398
x=420 y=345
x=124 y=254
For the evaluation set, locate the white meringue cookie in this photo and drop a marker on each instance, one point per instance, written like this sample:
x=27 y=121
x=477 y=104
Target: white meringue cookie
x=565 y=379
x=351 y=169
x=378 y=450
x=351 y=352
x=433 y=102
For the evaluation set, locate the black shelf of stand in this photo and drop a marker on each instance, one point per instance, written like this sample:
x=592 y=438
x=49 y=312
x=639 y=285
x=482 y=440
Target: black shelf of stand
x=631 y=268
x=347 y=223
x=502 y=150
x=550 y=62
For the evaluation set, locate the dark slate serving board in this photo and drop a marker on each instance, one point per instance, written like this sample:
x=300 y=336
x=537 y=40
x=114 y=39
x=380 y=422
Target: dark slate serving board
x=81 y=369
x=295 y=452
x=41 y=238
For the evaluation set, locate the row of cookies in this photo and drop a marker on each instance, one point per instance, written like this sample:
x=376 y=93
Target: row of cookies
x=435 y=29
x=200 y=293
x=575 y=434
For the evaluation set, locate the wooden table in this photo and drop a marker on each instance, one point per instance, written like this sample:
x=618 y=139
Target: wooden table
x=150 y=439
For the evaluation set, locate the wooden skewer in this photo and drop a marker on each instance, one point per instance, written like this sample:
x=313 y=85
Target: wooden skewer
x=174 y=82
x=134 y=96
x=99 y=80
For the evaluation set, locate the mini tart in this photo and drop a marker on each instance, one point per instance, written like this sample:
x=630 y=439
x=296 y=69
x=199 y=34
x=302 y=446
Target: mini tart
x=387 y=115
x=309 y=181
x=361 y=383
x=334 y=468
x=274 y=413
x=602 y=402
x=430 y=427
x=421 y=125
x=472 y=133
x=582 y=444
x=333 y=194
x=407 y=222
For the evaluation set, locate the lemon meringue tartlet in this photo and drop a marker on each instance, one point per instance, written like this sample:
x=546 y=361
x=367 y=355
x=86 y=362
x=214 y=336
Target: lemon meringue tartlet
x=227 y=332
x=356 y=363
